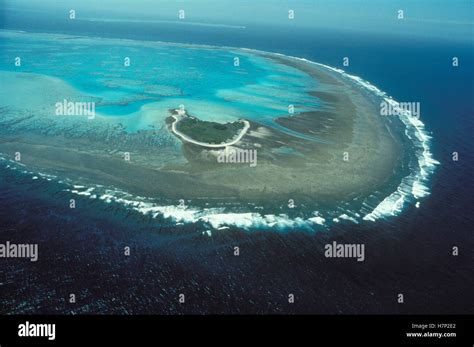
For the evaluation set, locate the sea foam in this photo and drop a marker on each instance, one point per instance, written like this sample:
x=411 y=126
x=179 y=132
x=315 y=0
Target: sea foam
x=415 y=185
x=412 y=187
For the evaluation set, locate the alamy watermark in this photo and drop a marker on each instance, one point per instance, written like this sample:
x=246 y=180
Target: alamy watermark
x=19 y=250
x=74 y=108
x=345 y=250
x=400 y=108
x=28 y=329
x=233 y=155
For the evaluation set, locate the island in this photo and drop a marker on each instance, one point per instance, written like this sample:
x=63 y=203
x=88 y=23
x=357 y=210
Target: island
x=334 y=156
x=204 y=133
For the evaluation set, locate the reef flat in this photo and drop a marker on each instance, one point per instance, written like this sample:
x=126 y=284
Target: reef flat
x=332 y=148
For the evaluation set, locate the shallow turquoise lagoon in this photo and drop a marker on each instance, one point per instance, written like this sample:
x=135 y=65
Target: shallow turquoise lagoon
x=212 y=83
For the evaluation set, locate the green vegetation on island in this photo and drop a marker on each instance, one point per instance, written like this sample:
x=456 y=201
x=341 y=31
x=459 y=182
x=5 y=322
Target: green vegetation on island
x=208 y=132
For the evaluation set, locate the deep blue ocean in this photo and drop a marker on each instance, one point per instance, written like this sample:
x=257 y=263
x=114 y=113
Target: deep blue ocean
x=81 y=253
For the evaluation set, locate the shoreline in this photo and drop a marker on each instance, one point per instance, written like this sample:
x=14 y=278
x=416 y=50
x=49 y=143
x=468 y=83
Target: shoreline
x=277 y=171
x=209 y=145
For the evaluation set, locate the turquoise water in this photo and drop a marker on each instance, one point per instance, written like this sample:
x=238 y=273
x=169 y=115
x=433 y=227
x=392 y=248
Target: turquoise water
x=162 y=76
x=123 y=109
x=400 y=249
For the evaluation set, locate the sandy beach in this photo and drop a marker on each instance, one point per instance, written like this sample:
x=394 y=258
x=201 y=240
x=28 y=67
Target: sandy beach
x=359 y=156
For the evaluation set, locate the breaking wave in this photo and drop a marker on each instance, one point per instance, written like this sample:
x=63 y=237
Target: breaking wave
x=413 y=187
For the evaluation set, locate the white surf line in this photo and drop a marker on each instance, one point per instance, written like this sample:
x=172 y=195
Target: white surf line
x=416 y=187
x=210 y=145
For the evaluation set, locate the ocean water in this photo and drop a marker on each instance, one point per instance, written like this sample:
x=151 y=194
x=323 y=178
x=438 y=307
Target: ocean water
x=409 y=253
x=169 y=75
